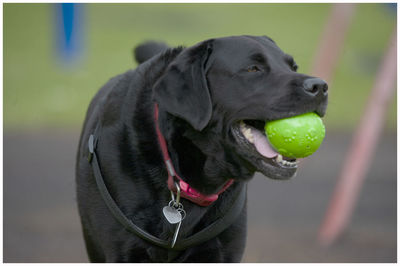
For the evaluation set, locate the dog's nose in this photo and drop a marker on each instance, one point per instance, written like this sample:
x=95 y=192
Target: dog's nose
x=315 y=86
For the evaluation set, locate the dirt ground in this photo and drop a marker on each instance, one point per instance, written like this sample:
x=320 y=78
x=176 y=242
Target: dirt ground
x=41 y=224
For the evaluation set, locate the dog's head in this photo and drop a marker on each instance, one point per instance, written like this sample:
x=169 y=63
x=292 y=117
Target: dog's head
x=224 y=90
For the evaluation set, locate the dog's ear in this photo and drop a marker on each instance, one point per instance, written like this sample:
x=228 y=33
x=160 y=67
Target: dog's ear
x=182 y=90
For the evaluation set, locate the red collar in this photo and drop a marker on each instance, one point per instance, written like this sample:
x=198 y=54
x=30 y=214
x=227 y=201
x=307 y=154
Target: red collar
x=187 y=191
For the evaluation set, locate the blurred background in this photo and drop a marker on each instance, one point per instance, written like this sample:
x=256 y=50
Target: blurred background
x=55 y=58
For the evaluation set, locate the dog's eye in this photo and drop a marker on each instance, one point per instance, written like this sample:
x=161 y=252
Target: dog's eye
x=253 y=69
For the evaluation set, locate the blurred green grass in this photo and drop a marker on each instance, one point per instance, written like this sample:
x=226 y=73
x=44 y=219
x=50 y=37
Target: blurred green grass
x=40 y=92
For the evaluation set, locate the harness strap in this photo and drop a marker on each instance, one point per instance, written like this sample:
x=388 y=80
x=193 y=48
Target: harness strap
x=202 y=236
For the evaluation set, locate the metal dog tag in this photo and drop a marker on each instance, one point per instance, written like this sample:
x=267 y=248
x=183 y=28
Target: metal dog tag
x=176 y=234
x=172 y=215
x=178 y=226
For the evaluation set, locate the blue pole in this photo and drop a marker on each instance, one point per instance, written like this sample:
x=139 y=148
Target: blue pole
x=69 y=31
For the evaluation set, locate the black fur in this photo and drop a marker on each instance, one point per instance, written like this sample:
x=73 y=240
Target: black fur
x=147 y=50
x=202 y=92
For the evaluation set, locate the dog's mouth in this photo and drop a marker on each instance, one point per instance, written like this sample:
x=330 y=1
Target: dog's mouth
x=253 y=145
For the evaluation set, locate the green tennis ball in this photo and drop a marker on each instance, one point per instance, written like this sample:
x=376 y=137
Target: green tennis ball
x=297 y=136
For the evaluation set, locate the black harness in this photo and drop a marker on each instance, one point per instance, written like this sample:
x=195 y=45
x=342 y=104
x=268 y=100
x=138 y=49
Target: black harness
x=204 y=235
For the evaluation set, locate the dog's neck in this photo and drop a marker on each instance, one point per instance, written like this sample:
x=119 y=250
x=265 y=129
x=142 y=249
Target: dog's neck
x=175 y=182
x=188 y=160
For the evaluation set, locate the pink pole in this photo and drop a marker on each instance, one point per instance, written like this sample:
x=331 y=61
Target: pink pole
x=361 y=150
x=332 y=40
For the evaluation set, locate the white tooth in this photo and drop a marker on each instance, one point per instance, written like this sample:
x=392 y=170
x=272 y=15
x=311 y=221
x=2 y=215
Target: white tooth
x=249 y=136
x=246 y=132
x=279 y=158
x=243 y=129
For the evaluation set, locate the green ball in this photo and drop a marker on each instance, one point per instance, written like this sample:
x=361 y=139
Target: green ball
x=297 y=136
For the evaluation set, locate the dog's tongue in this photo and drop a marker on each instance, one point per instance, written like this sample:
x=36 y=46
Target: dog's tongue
x=262 y=145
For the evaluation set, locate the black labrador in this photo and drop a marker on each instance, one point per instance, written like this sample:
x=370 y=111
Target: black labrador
x=167 y=149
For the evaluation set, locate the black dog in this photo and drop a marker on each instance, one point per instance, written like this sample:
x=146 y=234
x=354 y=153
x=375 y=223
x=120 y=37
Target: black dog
x=172 y=144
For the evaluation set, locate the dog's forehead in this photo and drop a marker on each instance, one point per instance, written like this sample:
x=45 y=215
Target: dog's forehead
x=241 y=48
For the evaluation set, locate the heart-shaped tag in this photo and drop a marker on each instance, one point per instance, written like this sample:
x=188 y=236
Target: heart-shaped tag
x=172 y=215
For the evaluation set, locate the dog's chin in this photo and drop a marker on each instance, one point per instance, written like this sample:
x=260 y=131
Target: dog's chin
x=264 y=159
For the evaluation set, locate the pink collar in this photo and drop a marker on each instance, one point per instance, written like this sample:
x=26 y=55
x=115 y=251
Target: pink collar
x=187 y=191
